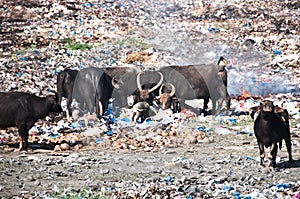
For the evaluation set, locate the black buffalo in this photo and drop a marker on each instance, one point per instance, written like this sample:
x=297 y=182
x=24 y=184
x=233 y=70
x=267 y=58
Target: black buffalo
x=65 y=84
x=22 y=110
x=127 y=82
x=198 y=82
x=145 y=92
x=93 y=88
x=271 y=126
x=191 y=82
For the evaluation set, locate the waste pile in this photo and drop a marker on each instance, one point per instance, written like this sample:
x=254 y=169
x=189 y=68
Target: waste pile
x=261 y=39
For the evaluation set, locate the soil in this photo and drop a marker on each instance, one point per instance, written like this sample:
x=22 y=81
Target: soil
x=224 y=160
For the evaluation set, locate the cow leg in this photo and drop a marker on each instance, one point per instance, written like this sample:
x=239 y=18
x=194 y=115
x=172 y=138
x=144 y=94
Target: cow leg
x=289 y=147
x=69 y=109
x=228 y=101
x=135 y=116
x=90 y=106
x=205 y=106
x=262 y=154
x=23 y=133
x=272 y=155
x=99 y=109
x=220 y=104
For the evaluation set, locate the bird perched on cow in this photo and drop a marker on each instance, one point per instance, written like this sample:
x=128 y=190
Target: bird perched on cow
x=22 y=110
x=271 y=126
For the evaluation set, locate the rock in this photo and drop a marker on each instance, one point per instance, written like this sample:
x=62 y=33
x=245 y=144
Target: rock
x=65 y=146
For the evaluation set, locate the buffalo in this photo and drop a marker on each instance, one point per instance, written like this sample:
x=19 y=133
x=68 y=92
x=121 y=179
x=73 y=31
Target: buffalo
x=271 y=126
x=65 y=84
x=191 y=82
x=198 y=82
x=145 y=92
x=22 y=110
x=168 y=99
x=93 y=88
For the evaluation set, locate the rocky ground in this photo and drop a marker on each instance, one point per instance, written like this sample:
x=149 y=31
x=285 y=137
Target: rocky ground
x=225 y=167
x=169 y=156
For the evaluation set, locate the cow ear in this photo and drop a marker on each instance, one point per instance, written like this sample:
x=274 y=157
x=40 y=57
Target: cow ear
x=254 y=110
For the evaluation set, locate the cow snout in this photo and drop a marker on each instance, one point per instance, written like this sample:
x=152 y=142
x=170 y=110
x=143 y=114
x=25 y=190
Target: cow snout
x=165 y=101
x=130 y=100
x=57 y=108
x=267 y=108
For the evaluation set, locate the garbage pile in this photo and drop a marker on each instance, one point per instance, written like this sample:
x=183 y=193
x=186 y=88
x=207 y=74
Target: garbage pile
x=49 y=36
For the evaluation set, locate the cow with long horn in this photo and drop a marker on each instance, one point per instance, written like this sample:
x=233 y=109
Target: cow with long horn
x=198 y=82
x=146 y=92
x=168 y=99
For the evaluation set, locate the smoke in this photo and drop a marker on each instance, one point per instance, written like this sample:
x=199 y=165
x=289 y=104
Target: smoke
x=164 y=27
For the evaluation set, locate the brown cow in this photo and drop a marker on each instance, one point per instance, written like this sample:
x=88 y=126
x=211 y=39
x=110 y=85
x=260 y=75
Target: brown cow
x=271 y=126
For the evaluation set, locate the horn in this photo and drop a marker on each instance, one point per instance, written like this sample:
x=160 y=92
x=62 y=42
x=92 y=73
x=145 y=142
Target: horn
x=222 y=59
x=114 y=84
x=158 y=84
x=160 y=89
x=100 y=108
x=138 y=81
x=173 y=89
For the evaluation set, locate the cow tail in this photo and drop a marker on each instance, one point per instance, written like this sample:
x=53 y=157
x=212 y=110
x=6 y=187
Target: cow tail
x=280 y=144
x=60 y=86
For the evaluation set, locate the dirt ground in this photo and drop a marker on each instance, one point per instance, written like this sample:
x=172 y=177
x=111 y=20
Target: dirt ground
x=222 y=166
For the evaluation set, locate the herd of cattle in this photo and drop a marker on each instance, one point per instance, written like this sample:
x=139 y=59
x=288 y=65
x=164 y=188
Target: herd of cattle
x=169 y=86
x=92 y=88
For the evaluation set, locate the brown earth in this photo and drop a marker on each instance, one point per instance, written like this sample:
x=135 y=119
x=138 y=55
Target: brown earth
x=205 y=168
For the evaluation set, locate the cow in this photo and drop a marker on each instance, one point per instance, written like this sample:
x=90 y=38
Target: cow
x=223 y=63
x=126 y=78
x=191 y=82
x=93 y=88
x=146 y=92
x=65 y=83
x=168 y=99
x=140 y=111
x=198 y=82
x=22 y=110
x=271 y=126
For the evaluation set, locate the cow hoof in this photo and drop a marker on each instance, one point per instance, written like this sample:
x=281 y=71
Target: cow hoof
x=22 y=150
x=270 y=168
x=262 y=165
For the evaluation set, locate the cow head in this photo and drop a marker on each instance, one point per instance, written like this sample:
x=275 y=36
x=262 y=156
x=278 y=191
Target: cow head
x=55 y=106
x=223 y=63
x=267 y=106
x=166 y=98
x=144 y=93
